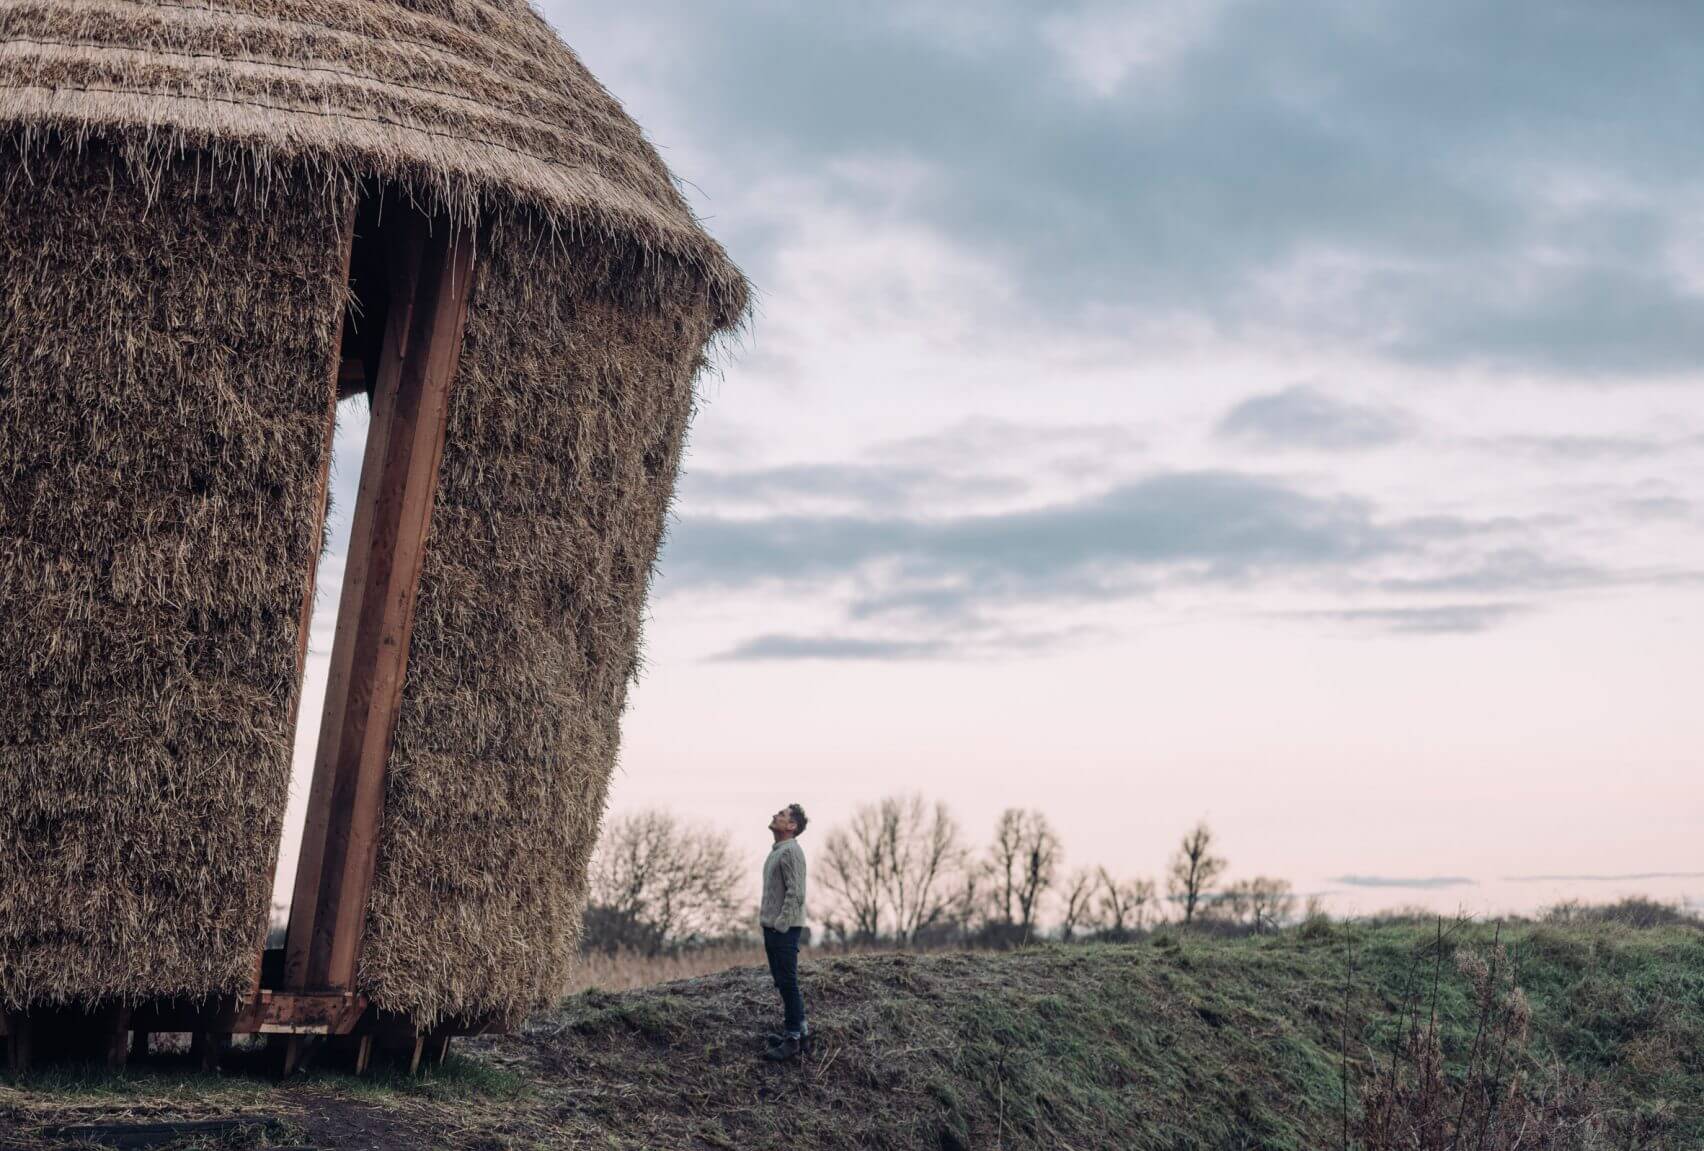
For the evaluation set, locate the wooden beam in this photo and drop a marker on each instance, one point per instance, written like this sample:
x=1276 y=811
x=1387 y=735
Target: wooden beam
x=431 y=268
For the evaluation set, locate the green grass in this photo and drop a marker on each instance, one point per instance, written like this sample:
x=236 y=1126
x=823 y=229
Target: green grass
x=1178 y=1042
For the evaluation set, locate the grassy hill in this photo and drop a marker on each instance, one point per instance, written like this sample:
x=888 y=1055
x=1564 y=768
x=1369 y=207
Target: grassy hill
x=1174 y=1042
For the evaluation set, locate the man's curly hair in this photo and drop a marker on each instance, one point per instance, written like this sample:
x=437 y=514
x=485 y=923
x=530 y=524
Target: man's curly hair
x=799 y=818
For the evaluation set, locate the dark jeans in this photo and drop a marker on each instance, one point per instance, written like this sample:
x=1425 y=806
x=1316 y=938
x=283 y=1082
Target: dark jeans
x=782 y=947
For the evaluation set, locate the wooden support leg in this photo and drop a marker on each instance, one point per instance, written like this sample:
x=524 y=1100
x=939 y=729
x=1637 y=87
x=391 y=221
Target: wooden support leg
x=295 y=1055
x=363 y=1053
x=116 y=1038
x=209 y=1048
x=19 y=1044
x=415 y=1056
x=437 y=1047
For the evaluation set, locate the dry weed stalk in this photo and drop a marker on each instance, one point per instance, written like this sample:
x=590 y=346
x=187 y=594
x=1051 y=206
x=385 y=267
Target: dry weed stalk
x=1504 y=1099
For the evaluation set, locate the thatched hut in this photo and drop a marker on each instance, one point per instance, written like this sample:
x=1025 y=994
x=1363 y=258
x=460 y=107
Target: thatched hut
x=197 y=206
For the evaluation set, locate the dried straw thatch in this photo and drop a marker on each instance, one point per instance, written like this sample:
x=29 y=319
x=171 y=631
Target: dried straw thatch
x=173 y=181
x=469 y=103
x=160 y=442
x=550 y=504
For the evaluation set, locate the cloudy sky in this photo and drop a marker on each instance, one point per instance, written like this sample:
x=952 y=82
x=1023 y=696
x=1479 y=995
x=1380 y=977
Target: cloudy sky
x=1286 y=413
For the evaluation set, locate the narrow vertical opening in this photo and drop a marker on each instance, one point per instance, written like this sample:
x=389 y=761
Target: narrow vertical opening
x=409 y=276
x=349 y=448
x=360 y=346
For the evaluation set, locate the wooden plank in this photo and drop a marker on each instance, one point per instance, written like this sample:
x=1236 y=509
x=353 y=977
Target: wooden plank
x=431 y=270
x=298 y=1014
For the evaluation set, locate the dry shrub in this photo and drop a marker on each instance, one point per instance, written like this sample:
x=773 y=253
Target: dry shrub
x=1505 y=1098
x=1633 y=911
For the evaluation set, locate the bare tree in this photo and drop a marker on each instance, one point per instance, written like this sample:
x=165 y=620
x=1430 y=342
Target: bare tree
x=1262 y=903
x=1082 y=913
x=1004 y=868
x=1024 y=859
x=656 y=883
x=923 y=852
x=1194 y=871
x=851 y=869
x=1123 y=905
x=894 y=865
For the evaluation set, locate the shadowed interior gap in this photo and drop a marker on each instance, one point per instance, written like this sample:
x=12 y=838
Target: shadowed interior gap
x=362 y=340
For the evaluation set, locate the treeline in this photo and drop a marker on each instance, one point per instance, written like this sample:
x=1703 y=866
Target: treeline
x=902 y=872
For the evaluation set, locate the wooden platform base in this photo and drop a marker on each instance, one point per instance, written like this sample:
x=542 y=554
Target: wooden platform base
x=335 y=1031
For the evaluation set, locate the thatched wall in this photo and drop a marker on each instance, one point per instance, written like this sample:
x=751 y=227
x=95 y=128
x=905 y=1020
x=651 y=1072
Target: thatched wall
x=162 y=375
x=565 y=429
x=164 y=368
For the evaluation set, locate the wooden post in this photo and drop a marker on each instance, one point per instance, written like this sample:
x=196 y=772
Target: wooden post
x=437 y=1048
x=115 y=1036
x=431 y=267
x=19 y=1043
x=295 y=1052
x=207 y=1049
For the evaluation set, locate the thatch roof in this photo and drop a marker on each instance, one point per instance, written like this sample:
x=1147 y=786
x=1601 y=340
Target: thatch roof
x=469 y=103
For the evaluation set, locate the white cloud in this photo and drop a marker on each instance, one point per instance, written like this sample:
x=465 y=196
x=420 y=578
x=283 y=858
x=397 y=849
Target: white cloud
x=1104 y=46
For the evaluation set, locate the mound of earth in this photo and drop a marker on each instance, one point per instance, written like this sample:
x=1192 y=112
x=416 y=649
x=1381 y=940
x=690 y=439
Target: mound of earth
x=1175 y=1042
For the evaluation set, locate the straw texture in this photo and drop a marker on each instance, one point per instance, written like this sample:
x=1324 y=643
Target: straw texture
x=565 y=433
x=164 y=362
x=471 y=104
x=174 y=179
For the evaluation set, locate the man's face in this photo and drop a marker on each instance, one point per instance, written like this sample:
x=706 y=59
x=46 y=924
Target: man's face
x=782 y=821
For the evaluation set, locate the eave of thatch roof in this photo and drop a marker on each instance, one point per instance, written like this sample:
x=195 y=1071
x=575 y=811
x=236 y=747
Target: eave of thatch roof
x=472 y=104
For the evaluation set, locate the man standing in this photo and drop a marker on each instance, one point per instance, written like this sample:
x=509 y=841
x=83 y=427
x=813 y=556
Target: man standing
x=782 y=915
